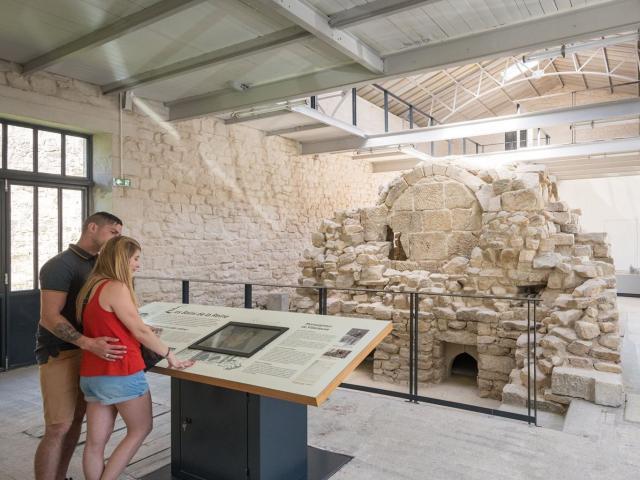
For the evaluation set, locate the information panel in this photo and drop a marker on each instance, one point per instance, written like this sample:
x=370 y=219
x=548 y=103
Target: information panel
x=307 y=359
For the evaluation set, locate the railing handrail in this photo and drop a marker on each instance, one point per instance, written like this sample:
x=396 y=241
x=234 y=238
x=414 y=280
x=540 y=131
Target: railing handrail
x=349 y=289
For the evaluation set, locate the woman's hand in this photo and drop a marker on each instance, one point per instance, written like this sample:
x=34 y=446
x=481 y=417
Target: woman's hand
x=178 y=364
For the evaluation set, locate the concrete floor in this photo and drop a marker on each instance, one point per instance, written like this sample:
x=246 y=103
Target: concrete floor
x=391 y=439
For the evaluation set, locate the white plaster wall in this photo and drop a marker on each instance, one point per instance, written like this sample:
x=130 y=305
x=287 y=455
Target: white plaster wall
x=207 y=200
x=609 y=205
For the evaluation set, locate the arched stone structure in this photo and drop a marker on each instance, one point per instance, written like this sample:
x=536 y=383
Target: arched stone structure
x=483 y=232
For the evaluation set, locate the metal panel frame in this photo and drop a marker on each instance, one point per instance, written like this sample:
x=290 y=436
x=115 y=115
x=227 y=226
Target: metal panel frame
x=314 y=22
x=234 y=52
x=372 y=11
x=474 y=128
x=513 y=39
x=135 y=21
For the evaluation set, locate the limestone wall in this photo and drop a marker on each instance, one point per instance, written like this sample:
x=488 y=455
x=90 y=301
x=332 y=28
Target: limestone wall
x=501 y=233
x=207 y=200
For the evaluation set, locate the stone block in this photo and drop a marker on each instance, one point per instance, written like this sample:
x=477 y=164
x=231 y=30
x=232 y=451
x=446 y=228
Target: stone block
x=461 y=243
x=558 y=207
x=428 y=196
x=397 y=188
x=587 y=330
x=563 y=239
x=404 y=202
x=496 y=364
x=603 y=388
x=603 y=353
x=566 y=318
x=590 y=288
x=502 y=185
x=484 y=195
x=456 y=265
x=465 y=219
x=566 y=334
x=458 y=196
x=580 y=347
x=414 y=176
x=600 y=237
x=588 y=271
x=521 y=200
x=610 y=340
x=546 y=260
x=461 y=337
x=400 y=222
x=436 y=220
x=427 y=246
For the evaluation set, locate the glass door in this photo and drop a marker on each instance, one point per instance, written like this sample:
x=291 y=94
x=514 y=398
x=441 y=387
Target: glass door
x=43 y=220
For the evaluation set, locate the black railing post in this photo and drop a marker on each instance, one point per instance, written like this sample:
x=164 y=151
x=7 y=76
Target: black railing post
x=412 y=360
x=416 y=354
x=322 y=301
x=314 y=102
x=354 y=107
x=248 y=290
x=529 y=360
x=185 y=291
x=535 y=367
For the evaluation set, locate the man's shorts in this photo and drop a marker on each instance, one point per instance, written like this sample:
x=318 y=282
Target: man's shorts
x=60 y=386
x=112 y=389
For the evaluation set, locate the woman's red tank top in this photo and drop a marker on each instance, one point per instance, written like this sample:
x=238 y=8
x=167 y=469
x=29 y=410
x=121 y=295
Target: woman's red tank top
x=98 y=322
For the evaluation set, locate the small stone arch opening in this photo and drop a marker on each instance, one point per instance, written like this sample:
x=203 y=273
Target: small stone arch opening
x=464 y=365
x=396 y=252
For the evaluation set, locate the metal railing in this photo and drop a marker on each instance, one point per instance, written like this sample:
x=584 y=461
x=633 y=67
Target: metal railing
x=412 y=395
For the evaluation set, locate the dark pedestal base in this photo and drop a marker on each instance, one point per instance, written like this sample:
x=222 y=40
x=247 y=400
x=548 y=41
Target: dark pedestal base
x=321 y=465
x=222 y=434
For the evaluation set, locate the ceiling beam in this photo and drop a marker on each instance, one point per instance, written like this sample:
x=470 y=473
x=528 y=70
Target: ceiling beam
x=135 y=21
x=474 y=128
x=317 y=24
x=297 y=129
x=256 y=116
x=231 y=53
x=607 y=68
x=328 y=120
x=543 y=32
x=532 y=155
x=373 y=11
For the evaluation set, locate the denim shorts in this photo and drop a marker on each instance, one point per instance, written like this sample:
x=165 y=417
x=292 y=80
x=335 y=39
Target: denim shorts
x=109 y=390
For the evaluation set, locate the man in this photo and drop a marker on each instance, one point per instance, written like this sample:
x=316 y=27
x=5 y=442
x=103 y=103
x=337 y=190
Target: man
x=59 y=341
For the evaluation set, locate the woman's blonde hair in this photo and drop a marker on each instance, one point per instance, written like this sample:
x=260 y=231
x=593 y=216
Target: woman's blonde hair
x=112 y=264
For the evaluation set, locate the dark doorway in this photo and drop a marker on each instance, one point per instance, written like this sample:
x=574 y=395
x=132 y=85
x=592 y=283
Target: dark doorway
x=464 y=365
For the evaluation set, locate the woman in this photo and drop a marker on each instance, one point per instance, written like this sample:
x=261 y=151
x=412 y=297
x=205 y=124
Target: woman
x=112 y=387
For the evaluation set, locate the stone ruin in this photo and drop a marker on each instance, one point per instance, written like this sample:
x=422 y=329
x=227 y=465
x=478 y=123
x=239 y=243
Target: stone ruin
x=440 y=228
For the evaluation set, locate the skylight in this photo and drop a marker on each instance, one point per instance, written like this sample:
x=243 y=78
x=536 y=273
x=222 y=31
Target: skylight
x=518 y=69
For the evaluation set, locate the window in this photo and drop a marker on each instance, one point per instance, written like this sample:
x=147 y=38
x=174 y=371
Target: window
x=510 y=140
x=27 y=148
x=45 y=173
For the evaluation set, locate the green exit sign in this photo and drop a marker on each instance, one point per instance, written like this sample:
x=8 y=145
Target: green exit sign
x=121 y=182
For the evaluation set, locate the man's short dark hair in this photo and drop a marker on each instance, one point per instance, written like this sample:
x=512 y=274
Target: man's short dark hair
x=100 y=219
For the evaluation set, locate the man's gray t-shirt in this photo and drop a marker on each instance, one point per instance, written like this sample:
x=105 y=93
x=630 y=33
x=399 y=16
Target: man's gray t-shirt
x=66 y=272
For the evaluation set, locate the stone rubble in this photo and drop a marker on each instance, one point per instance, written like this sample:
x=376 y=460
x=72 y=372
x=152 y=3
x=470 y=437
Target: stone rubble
x=440 y=229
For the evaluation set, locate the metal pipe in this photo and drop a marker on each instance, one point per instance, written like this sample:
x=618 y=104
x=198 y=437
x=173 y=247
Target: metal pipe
x=354 y=106
x=386 y=111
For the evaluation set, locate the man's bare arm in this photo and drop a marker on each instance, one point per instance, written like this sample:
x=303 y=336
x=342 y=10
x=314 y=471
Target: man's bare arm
x=51 y=304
